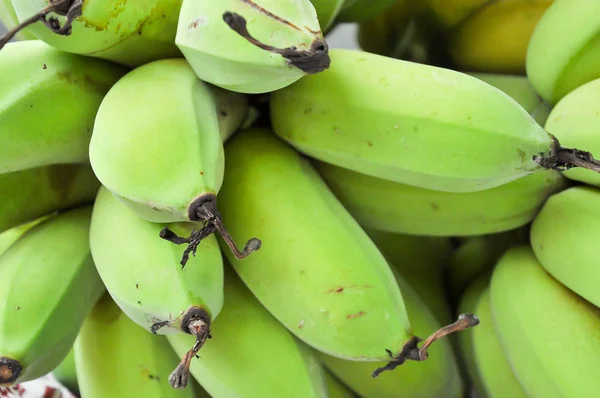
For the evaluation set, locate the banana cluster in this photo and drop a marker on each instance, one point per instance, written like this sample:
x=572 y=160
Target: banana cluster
x=201 y=198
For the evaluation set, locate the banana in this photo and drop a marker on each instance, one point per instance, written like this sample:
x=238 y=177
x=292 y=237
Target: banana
x=251 y=354
x=252 y=46
x=335 y=388
x=419 y=260
x=563 y=51
x=451 y=13
x=363 y=10
x=130 y=34
x=115 y=357
x=390 y=206
x=35 y=79
x=10 y=236
x=574 y=121
x=492 y=366
x=415 y=124
x=496 y=36
x=164 y=157
x=32 y=193
x=388 y=33
x=49 y=284
x=319 y=273
x=327 y=11
x=8 y=18
x=438 y=377
x=550 y=335
x=576 y=211
x=142 y=275
x=66 y=372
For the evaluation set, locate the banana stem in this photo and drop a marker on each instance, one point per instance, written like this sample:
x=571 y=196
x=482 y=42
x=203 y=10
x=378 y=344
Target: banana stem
x=561 y=158
x=10 y=370
x=180 y=376
x=71 y=8
x=412 y=352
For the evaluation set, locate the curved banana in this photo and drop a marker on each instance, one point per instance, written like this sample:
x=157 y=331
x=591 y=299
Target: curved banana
x=251 y=354
x=363 y=10
x=142 y=274
x=437 y=377
x=415 y=124
x=251 y=46
x=49 y=285
x=164 y=157
x=549 y=334
x=10 y=236
x=29 y=194
x=115 y=357
x=564 y=51
x=335 y=388
x=495 y=37
x=66 y=372
x=574 y=121
x=390 y=206
x=8 y=18
x=48 y=103
x=568 y=255
x=132 y=34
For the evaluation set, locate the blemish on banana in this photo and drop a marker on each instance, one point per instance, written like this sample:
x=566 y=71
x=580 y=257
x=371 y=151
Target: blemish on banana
x=360 y=313
x=18 y=308
x=44 y=66
x=337 y=290
x=201 y=173
x=370 y=143
x=435 y=206
x=307 y=111
x=137 y=286
x=522 y=154
x=301 y=324
x=139 y=302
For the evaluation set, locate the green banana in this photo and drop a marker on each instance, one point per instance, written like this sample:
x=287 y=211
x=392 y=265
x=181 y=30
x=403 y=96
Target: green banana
x=10 y=236
x=32 y=193
x=142 y=275
x=115 y=357
x=564 y=49
x=66 y=372
x=363 y=10
x=438 y=377
x=252 y=355
x=340 y=296
x=415 y=124
x=497 y=376
x=252 y=46
x=574 y=121
x=35 y=128
x=327 y=11
x=130 y=34
x=390 y=206
x=164 y=157
x=385 y=33
x=49 y=284
x=568 y=255
x=8 y=17
x=419 y=260
x=550 y=335
x=335 y=388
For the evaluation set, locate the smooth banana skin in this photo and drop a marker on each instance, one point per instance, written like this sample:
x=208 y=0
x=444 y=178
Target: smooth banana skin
x=48 y=103
x=363 y=10
x=577 y=211
x=564 y=49
x=165 y=155
x=66 y=372
x=433 y=128
x=493 y=368
x=393 y=207
x=49 y=285
x=436 y=377
x=450 y=14
x=251 y=354
x=130 y=34
x=335 y=388
x=10 y=236
x=574 y=121
x=340 y=296
x=29 y=194
x=327 y=11
x=495 y=37
x=8 y=17
x=114 y=357
x=252 y=46
x=420 y=261
x=550 y=335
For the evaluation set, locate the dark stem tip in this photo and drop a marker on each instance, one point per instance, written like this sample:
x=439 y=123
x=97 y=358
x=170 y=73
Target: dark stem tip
x=10 y=370
x=561 y=158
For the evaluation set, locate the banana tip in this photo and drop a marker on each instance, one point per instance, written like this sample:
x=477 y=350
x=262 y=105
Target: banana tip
x=10 y=370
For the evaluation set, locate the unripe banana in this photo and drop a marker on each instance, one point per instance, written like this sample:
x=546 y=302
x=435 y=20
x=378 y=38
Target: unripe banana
x=569 y=255
x=10 y=236
x=48 y=103
x=251 y=354
x=131 y=34
x=66 y=373
x=327 y=11
x=339 y=297
x=335 y=388
x=142 y=274
x=419 y=260
x=496 y=36
x=115 y=357
x=163 y=158
x=32 y=193
x=416 y=124
x=452 y=13
x=550 y=335
x=437 y=377
x=390 y=206
x=362 y=10
x=251 y=46
x=574 y=121
x=385 y=33
x=564 y=50
x=49 y=284
x=498 y=378
x=8 y=18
